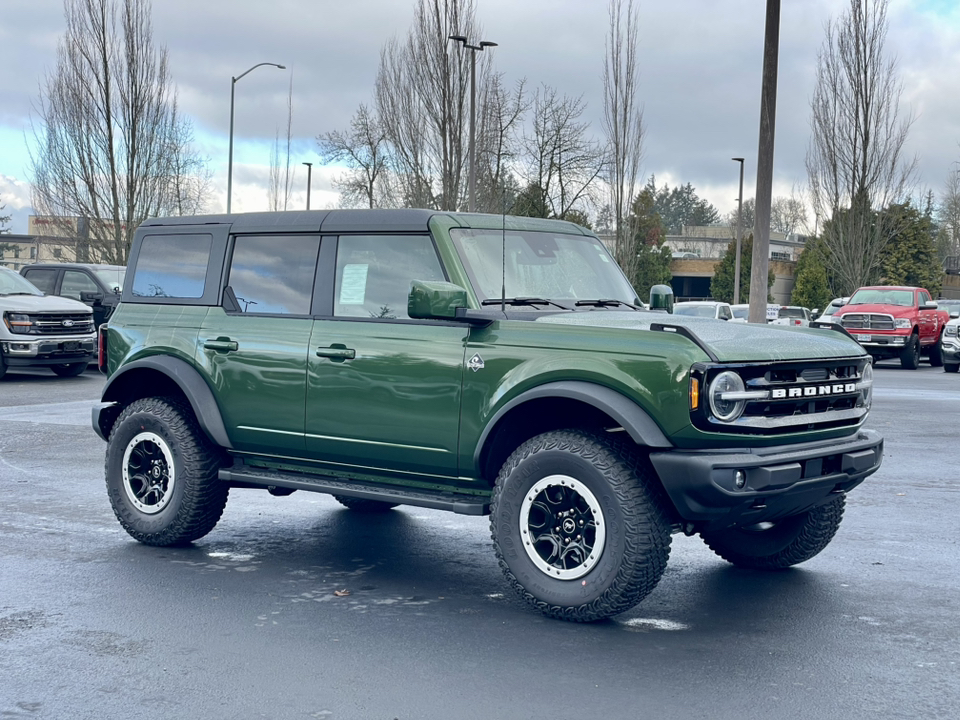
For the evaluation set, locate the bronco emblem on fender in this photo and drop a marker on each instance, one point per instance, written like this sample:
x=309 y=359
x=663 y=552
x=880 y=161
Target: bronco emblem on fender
x=475 y=363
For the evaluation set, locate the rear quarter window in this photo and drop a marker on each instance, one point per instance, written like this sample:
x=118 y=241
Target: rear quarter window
x=172 y=266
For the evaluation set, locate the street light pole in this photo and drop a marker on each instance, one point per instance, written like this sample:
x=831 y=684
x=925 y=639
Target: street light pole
x=472 y=182
x=309 y=170
x=736 y=271
x=233 y=85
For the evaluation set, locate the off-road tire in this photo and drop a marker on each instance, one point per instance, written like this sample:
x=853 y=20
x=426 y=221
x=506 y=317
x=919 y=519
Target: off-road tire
x=935 y=354
x=950 y=368
x=910 y=354
x=784 y=543
x=363 y=505
x=3 y=368
x=70 y=370
x=632 y=509
x=195 y=497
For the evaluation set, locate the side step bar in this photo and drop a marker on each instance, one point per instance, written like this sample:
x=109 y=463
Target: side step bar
x=461 y=504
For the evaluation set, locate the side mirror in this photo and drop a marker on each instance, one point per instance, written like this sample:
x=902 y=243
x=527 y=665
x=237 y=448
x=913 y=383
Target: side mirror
x=91 y=297
x=929 y=305
x=430 y=299
x=815 y=313
x=661 y=298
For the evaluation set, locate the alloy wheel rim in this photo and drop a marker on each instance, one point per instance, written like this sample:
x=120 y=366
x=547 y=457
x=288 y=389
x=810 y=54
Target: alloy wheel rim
x=149 y=474
x=562 y=527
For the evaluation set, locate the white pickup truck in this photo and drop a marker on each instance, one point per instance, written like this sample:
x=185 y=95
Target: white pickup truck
x=43 y=330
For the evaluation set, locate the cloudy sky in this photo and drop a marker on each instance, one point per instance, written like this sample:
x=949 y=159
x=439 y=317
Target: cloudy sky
x=700 y=64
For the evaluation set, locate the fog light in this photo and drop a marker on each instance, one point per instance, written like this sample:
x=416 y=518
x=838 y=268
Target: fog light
x=740 y=479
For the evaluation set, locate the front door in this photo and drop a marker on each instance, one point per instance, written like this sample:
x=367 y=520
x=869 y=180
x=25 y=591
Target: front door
x=383 y=390
x=253 y=349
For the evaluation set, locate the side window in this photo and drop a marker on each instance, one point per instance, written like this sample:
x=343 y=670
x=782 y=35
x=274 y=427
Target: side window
x=75 y=282
x=374 y=273
x=274 y=273
x=43 y=279
x=173 y=266
x=924 y=297
x=725 y=313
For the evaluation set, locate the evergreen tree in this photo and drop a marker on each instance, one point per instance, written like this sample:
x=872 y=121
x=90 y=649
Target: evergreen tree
x=811 y=288
x=910 y=255
x=652 y=263
x=721 y=286
x=680 y=206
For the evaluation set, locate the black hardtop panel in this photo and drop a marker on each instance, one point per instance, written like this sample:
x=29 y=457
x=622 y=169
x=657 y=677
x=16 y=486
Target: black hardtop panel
x=378 y=220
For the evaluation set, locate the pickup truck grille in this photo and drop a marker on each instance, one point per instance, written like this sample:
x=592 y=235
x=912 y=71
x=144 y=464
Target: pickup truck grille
x=867 y=321
x=791 y=397
x=61 y=323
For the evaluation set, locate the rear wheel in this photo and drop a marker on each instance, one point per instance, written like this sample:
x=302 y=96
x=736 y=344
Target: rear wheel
x=579 y=525
x=951 y=368
x=910 y=355
x=69 y=370
x=363 y=505
x=161 y=473
x=3 y=367
x=936 y=353
x=780 y=544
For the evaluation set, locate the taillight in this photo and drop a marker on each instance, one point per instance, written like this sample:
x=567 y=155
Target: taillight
x=102 y=348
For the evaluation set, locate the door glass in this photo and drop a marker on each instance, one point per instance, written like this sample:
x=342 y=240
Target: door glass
x=75 y=282
x=374 y=273
x=43 y=279
x=274 y=273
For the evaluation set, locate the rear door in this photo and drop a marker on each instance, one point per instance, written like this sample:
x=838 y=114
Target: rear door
x=254 y=351
x=46 y=279
x=383 y=390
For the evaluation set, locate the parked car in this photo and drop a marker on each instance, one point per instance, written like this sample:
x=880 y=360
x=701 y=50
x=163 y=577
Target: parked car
x=39 y=330
x=741 y=312
x=436 y=359
x=97 y=286
x=793 y=315
x=829 y=312
x=894 y=321
x=950 y=342
x=704 y=309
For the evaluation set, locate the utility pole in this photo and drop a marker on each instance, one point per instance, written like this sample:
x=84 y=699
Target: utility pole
x=768 y=115
x=736 y=270
x=309 y=171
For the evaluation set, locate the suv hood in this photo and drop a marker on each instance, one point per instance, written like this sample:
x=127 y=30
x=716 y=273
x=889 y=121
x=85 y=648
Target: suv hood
x=730 y=342
x=41 y=303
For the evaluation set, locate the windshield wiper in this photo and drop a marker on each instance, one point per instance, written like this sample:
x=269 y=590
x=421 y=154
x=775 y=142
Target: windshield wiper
x=605 y=302
x=523 y=301
x=19 y=293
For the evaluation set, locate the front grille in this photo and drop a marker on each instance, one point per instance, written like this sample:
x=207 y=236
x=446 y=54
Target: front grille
x=867 y=321
x=792 y=397
x=61 y=323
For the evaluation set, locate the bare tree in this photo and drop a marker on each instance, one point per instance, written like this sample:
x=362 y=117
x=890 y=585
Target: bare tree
x=4 y=220
x=363 y=149
x=855 y=162
x=422 y=97
x=788 y=215
x=111 y=145
x=281 y=172
x=562 y=161
x=948 y=215
x=498 y=128
x=623 y=125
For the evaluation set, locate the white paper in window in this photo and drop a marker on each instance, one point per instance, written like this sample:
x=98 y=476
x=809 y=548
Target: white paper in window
x=353 y=284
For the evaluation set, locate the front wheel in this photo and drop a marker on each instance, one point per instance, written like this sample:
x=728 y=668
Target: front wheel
x=69 y=370
x=161 y=473
x=910 y=354
x=579 y=525
x=779 y=544
x=936 y=353
x=950 y=368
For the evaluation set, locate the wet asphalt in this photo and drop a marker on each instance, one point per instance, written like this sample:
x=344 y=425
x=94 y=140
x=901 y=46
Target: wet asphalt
x=249 y=623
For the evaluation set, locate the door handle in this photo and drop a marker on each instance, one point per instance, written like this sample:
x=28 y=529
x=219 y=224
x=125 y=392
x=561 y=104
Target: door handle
x=337 y=353
x=221 y=345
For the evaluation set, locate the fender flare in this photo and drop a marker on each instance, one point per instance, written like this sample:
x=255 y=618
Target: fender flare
x=185 y=376
x=632 y=418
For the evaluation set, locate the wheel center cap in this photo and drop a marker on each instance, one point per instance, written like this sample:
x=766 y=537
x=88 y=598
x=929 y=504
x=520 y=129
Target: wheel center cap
x=156 y=472
x=569 y=525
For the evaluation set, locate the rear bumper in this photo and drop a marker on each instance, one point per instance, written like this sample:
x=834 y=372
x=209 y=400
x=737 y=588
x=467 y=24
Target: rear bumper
x=780 y=481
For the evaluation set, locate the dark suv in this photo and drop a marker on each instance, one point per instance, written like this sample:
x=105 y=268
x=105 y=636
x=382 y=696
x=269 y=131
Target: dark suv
x=98 y=286
x=480 y=365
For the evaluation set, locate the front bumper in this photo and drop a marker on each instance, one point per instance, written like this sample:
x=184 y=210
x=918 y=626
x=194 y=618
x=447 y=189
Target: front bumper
x=48 y=350
x=951 y=351
x=891 y=342
x=780 y=481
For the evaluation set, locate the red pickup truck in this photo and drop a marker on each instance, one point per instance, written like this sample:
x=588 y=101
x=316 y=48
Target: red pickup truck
x=895 y=321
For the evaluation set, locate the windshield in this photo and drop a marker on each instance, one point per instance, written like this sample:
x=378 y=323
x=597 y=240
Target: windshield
x=882 y=296
x=741 y=311
x=707 y=311
x=111 y=277
x=540 y=265
x=13 y=284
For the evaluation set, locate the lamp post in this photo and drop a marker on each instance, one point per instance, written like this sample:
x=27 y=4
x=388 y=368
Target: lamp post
x=462 y=39
x=309 y=170
x=233 y=84
x=736 y=269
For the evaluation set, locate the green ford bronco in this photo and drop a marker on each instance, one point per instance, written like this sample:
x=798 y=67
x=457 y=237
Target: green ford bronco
x=476 y=364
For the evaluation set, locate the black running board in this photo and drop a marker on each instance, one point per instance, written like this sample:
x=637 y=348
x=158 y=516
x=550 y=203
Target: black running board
x=462 y=504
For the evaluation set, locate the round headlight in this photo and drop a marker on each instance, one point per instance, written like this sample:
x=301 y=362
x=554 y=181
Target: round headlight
x=725 y=408
x=866 y=384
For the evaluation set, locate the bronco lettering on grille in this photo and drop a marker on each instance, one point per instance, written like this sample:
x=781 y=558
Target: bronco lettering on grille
x=813 y=391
